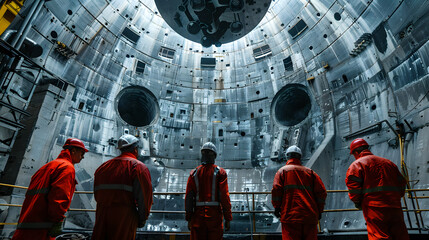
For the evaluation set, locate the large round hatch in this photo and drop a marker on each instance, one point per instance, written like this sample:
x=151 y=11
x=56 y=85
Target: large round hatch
x=291 y=105
x=137 y=106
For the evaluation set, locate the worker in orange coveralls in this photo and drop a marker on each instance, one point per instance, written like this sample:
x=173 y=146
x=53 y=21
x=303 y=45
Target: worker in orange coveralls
x=376 y=186
x=207 y=198
x=123 y=191
x=49 y=195
x=298 y=197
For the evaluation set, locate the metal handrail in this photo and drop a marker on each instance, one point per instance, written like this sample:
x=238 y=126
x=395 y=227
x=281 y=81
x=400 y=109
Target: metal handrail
x=253 y=212
x=179 y=193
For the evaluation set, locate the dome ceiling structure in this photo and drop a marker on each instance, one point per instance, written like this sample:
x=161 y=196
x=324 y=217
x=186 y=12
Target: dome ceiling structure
x=212 y=22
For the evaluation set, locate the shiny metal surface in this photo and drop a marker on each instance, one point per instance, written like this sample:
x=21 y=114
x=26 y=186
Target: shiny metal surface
x=212 y=22
x=238 y=101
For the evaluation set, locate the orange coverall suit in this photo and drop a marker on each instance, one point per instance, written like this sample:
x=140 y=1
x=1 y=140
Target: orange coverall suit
x=300 y=194
x=47 y=199
x=206 y=200
x=376 y=184
x=123 y=191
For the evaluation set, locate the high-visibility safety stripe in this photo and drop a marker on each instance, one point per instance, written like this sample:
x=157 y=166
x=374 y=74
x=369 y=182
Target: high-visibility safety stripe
x=276 y=198
x=383 y=188
x=213 y=202
x=114 y=187
x=34 y=225
x=196 y=182
x=301 y=187
x=377 y=189
x=355 y=191
x=216 y=170
x=355 y=179
x=32 y=192
x=207 y=204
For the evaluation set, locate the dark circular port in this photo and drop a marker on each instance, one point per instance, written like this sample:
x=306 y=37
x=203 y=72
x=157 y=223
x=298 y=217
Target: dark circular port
x=137 y=106
x=291 y=105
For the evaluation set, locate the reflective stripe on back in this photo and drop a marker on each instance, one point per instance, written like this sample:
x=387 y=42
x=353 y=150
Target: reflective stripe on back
x=32 y=192
x=213 y=202
x=301 y=187
x=383 y=188
x=216 y=170
x=207 y=204
x=377 y=189
x=34 y=225
x=124 y=187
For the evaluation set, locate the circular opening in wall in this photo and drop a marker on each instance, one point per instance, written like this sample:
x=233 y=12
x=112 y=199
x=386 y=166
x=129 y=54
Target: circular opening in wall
x=54 y=34
x=337 y=16
x=137 y=106
x=291 y=105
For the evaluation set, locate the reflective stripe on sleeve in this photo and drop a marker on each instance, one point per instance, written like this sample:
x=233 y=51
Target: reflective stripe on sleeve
x=32 y=192
x=124 y=187
x=196 y=183
x=355 y=179
x=34 y=225
x=276 y=198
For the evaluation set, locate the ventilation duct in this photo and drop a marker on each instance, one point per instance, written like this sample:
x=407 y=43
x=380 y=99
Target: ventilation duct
x=140 y=67
x=208 y=63
x=130 y=35
x=297 y=29
x=287 y=62
x=262 y=52
x=361 y=44
x=166 y=52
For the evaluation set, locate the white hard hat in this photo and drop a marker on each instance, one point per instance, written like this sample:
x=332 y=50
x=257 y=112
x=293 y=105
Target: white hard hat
x=209 y=146
x=126 y=140
x=293 y=149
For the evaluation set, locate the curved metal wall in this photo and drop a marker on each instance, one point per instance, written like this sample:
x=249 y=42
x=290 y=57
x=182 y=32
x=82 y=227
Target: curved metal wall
x=352 y=84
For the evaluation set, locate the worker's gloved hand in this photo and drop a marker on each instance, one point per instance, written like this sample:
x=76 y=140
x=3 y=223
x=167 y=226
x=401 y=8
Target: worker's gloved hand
x=277 y=212
x=189 y=225
x=56 y=229
x=358 y=206
x=227 y=225
x=141 y=224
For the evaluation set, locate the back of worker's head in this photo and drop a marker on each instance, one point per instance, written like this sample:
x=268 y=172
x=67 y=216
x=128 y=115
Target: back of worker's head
x=128 y=143
x=357 y=146
x=293 y=152
x=208 y=153
x=77 y=149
